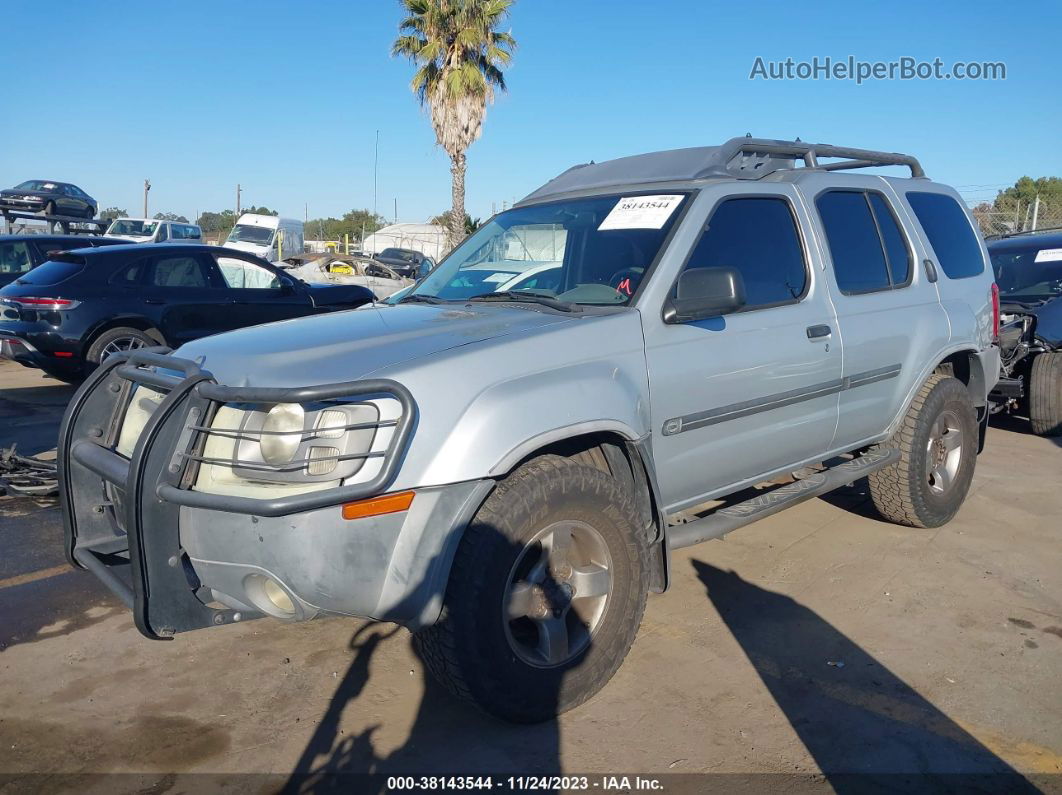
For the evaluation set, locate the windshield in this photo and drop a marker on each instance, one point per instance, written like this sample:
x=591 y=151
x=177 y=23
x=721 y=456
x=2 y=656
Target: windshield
x=244 y=233
x=127 y=226
x=583 y=251
x=53 y=271
x=35 y=184
x=1032 y=273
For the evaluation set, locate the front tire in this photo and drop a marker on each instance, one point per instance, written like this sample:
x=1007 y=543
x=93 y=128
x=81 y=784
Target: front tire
x=937 y=440
x=545 y=595
x=1045 y=394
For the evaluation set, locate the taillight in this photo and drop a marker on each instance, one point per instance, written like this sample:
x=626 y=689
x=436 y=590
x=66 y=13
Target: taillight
x=995 y=311
x=44 y=303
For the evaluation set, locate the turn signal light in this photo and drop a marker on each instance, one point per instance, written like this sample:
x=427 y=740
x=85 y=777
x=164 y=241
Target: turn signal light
x=995 y=311
x=378 y=506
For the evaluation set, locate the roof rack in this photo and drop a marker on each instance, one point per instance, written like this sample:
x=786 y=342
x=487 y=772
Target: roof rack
x=770 y=151
x=738 y=158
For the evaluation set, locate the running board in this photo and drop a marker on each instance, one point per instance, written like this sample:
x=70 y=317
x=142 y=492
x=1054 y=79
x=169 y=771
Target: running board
x=722 y=521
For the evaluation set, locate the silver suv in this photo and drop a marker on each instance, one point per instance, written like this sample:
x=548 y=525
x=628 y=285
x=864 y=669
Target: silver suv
x=503 y=461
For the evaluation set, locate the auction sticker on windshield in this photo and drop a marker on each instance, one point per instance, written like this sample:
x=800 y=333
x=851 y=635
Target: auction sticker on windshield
x=1048 y=255
x=641 y=212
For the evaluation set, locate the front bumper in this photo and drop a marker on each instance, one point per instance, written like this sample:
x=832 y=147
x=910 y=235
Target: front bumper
x=184 y=559
x=22 y=205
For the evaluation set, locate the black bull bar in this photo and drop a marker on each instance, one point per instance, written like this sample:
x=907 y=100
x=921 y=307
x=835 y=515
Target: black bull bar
x=121 y=515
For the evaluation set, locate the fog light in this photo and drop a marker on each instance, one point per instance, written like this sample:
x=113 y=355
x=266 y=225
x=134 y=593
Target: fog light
x=282 y=433
x=267 y=595
x=275 y=594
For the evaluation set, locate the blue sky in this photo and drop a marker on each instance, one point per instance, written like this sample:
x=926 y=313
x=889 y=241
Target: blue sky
x=286 y=97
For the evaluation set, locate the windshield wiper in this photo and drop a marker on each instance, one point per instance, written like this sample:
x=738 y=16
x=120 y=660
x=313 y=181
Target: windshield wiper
x=421 y=299
x=530 y=297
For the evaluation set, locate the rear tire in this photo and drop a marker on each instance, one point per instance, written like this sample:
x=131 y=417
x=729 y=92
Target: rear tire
x=115 y=340
x=1045 y=394
x=937 y=440
x=545 y=595
x=49 y=208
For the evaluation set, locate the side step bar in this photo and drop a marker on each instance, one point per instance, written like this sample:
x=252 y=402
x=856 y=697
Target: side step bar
x=720 y=522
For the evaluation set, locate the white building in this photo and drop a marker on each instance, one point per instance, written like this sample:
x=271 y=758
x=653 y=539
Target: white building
x=428 y=239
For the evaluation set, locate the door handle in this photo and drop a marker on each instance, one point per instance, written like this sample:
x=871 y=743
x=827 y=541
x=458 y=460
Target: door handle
x=931 y=270
x=815 y=332
x=157 y=301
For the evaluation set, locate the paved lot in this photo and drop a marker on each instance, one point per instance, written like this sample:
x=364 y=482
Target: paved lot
x=821 y=639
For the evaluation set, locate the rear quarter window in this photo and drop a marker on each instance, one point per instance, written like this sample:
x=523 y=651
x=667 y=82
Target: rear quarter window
x=54 y=271
x=949 y=233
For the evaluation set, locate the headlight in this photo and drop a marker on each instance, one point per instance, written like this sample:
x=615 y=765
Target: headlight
x=282 y=433
x=289 y=448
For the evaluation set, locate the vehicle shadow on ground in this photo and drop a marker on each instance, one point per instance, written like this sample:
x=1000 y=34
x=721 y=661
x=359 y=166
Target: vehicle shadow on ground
x=448 y=737
x=1016 y=423
x=866 y=729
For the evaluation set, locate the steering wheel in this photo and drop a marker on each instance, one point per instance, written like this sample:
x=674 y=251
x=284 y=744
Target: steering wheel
x=625 y=281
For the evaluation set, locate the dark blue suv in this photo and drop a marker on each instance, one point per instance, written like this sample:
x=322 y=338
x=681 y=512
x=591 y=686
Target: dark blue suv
x=68 y=314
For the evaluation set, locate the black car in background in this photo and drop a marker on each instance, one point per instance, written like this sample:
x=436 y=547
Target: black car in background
x=1028 y=269
x=80 y=306
x=20 y=254
x=406 y=262
x=53 y=198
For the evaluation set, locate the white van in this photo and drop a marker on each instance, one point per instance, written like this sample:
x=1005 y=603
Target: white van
x=268 y=236
x=151 y=230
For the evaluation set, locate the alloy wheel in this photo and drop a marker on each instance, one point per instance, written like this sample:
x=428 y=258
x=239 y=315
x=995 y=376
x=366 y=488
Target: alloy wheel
x=557 y=593
x=120 y=345
x=944 y=452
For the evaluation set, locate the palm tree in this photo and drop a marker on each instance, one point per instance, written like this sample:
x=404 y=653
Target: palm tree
x=459 y=52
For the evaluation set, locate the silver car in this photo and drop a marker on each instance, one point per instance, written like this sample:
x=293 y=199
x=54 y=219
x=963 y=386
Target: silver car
x=503 y=460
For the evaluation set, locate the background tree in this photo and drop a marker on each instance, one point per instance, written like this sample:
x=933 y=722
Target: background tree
x=111 y=213
x=469 y=226
x=171 y=217
x=1014 y=208
x=459 y=52
x=359 y=224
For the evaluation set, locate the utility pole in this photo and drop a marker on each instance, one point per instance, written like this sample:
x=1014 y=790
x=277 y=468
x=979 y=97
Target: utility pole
x=147 y=187
x=396 y=209
x=238 y=192
x=306 y=213
x=375 y=169
x=1036 y=211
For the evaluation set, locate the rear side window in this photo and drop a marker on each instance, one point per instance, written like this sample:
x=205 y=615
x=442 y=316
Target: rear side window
x=867 y=247
x=758 y=237
x=855 y=247
x=54 y=271
x=178 y=272
x=949 y=232
x=896 y=251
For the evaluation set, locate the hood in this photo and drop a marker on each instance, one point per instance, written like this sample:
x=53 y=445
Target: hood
x=343 y=346
x=351 y=295
x=129 y=238
x=241 y=245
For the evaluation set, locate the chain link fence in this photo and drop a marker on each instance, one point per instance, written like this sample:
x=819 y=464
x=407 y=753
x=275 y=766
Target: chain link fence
x=1021 y=216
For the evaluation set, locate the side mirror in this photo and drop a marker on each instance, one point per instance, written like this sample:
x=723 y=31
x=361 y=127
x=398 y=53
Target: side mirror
x=704 y=293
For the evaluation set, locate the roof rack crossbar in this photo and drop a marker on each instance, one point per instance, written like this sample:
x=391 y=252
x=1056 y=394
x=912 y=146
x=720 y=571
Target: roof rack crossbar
x=810 y=154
